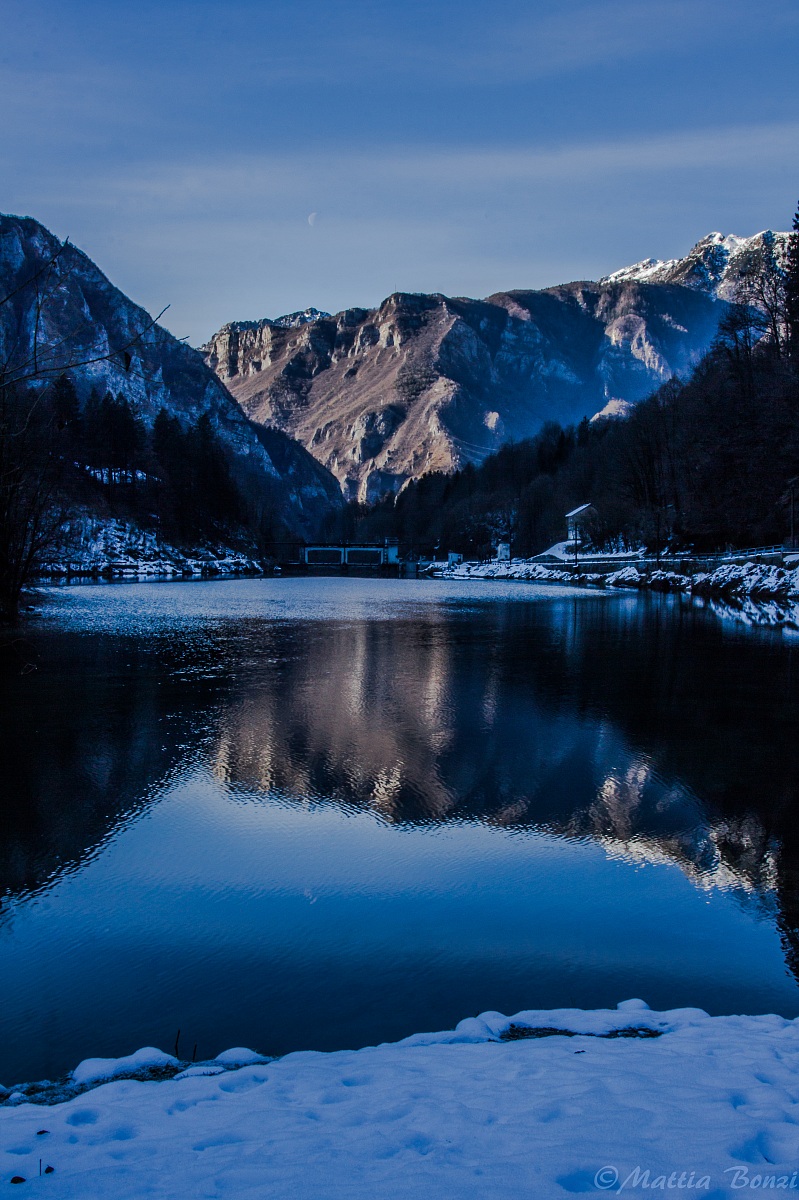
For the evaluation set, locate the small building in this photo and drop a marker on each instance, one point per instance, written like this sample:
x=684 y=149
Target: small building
x=454 y=559
x=503 y=552
x=579 y=520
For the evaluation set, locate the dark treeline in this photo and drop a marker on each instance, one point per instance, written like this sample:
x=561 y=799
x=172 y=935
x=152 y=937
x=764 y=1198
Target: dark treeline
x=705 y=463
x=59 y=458
x=174 y=475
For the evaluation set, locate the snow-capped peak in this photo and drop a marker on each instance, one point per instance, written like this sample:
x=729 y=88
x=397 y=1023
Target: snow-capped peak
x=712 y=266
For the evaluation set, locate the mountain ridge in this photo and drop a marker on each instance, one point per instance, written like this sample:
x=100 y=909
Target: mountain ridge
x=429 y=382
x=714 y=265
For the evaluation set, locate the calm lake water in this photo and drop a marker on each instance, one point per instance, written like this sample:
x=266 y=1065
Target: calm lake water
x=323 y=813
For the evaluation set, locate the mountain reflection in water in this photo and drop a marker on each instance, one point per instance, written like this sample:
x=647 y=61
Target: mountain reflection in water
x=644 y=726
x=583 y=718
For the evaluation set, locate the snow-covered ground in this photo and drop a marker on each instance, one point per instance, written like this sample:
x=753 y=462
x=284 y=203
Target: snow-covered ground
x=93 y=547
x=752 y=593
x=564 y=551
x=518 y=568
x=732 y=581
x=629 y=1102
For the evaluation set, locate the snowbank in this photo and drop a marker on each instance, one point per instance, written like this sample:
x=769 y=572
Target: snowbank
x=119 y=550
x=730 y=581
x=518 y=568
x=99 y=1070
x=542 y=1104
x=751 y=580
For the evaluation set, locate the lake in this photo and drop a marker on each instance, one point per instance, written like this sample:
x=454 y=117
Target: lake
x=328 y=812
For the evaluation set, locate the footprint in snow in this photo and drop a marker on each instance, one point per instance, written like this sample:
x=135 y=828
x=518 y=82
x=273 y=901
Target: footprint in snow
x=124 y=1134
x=214 y=1143
x=240 y=1085
x=83 y=1116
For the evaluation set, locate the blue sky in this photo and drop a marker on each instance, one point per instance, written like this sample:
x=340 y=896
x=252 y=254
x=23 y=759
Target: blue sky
x=463 y=147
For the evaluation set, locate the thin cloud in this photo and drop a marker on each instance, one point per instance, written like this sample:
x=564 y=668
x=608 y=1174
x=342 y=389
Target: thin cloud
x=284 y=179
x=441 y=45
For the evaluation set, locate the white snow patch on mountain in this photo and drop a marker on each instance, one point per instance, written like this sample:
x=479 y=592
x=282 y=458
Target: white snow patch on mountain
x=294 y=320
x=614 y=408
x=712 y=266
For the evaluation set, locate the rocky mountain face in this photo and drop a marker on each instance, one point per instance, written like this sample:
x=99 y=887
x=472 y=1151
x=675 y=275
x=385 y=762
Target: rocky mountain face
x=430 y=382
x=714 y=266
x=60 y=314
x=296 y=319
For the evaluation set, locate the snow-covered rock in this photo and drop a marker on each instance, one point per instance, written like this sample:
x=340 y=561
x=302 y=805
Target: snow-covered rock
x=517 y=568
x=294 y=320
x=626 y=577
x=614 y=410
x=752 y=580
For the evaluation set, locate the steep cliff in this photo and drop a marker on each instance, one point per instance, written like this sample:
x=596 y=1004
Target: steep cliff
x=59 y=313
x=428 y=382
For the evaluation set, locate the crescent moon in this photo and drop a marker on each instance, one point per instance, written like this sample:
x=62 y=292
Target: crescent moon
x=312 y=218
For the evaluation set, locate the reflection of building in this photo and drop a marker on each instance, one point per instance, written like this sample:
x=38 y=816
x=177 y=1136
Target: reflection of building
x=578 y=520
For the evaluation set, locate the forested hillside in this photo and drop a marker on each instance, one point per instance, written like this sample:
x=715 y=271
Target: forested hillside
x=105 y=416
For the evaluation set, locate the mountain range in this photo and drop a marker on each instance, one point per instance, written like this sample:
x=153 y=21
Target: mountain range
x=353 y=405
x=431 y=382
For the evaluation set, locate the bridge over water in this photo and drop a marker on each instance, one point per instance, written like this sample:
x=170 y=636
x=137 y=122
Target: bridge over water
x=337 y=554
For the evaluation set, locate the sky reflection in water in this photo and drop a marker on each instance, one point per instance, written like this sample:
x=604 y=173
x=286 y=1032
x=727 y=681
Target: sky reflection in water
x=328 y=812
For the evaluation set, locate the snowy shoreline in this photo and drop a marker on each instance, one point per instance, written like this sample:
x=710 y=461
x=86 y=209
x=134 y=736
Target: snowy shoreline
x=763 y=594
x=91 y=549
x=544 y=1103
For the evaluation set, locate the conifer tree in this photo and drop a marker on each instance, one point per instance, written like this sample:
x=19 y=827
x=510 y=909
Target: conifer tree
x=66 y=408
x=792 y=291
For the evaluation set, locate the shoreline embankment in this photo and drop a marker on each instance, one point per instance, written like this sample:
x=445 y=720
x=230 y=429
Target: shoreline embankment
x=726 y=580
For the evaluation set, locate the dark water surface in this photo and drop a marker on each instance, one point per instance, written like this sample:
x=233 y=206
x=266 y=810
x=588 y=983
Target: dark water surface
x=325 y=812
